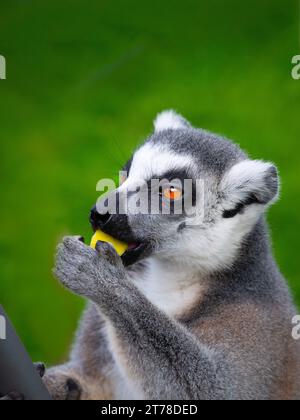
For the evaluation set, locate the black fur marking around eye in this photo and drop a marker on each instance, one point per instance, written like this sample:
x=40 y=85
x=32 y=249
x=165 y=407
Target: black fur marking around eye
x=229 y=214
x=173 y=174
x=181 y=175
x=252 y=199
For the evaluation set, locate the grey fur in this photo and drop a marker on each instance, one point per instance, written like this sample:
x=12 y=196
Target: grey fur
x=233 y=343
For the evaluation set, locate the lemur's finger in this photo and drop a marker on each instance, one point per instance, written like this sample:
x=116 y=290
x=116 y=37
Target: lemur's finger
x=40 y=368
x=107 y=250
x=104 y=247
x=72 y=242
x=76 y=245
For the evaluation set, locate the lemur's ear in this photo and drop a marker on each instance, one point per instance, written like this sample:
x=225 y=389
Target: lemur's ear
x=170 y=120
x=247 y=183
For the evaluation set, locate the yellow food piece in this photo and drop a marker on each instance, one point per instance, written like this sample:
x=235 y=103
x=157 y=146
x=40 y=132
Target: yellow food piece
x=119 y=246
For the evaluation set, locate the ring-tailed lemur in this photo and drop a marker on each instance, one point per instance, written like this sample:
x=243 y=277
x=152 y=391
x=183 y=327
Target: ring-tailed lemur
x=202 y=312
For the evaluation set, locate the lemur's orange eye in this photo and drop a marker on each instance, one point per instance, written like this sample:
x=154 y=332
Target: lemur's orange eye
x=172 y=193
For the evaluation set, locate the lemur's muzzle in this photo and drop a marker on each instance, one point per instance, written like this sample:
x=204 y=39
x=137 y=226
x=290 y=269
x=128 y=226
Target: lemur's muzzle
x=117 y=225
x=97 y=220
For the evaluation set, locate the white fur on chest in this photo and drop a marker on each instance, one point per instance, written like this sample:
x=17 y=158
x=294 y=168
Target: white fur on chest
x=172 y=290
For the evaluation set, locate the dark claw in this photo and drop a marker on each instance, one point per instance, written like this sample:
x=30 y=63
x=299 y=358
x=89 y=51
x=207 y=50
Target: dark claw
x=40 y=368
x=81 y=239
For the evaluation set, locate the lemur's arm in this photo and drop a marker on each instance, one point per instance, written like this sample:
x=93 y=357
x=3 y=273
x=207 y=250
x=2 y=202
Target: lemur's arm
x=162 y=357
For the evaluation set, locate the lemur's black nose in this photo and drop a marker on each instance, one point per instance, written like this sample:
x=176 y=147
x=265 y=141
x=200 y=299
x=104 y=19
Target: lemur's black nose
x=97 y=220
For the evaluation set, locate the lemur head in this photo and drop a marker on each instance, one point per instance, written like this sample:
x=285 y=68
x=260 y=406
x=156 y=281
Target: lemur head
x=227 y=195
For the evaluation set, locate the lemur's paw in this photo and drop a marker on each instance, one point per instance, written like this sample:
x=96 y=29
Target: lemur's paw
x=12 y=396
x=16 y=396
x=85 y=271
x=61 y=385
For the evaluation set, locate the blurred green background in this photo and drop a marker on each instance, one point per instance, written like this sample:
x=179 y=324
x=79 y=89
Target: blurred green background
x=85 y=80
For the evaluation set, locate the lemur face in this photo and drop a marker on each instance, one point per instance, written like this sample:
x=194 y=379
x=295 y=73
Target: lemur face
x=209 y=196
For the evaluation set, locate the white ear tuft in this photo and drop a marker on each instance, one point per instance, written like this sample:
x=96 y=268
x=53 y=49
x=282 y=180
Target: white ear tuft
x=251 y=181
x=170 y=120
